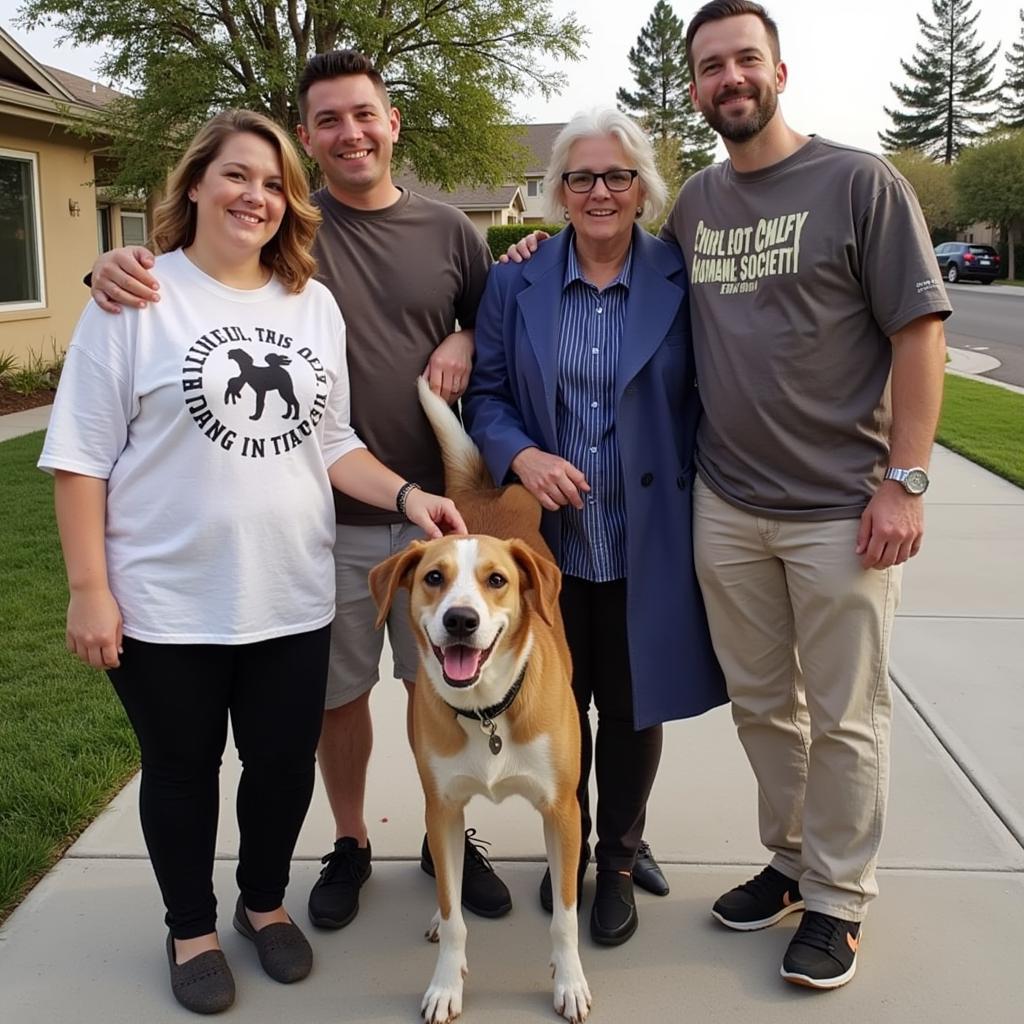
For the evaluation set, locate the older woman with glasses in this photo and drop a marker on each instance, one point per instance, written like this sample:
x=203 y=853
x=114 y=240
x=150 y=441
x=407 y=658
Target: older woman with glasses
x=584 y=391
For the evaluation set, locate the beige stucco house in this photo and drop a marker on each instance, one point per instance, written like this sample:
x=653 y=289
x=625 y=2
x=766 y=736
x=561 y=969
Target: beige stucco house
x=52 y=220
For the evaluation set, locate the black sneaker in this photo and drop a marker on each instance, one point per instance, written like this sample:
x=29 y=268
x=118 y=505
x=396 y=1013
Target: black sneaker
x=483 y=892
x=334 y=899
x=822 y=952
x=765 y=900
x=613 y=918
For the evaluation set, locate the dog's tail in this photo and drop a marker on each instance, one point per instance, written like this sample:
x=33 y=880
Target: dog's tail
x=464 y=466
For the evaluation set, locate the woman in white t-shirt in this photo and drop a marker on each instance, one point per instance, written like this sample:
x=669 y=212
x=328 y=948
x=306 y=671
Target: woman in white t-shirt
x=194 y=446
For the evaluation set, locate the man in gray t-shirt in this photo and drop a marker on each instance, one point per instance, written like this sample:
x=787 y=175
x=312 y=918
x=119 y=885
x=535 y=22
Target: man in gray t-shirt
x=817 y=314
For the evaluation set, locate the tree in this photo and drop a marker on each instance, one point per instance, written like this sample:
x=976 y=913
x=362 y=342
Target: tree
x=933 y=183
x=989 y=182
x=1011 y=112
x=453 y=68
x=661 y=102
x=948 y=101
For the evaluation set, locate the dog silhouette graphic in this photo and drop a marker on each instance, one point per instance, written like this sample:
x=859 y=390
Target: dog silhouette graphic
x=272 y=377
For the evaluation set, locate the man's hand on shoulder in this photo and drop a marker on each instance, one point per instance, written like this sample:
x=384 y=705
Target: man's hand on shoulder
x=448 y=369
x=523 y=250
x=891 y=527
x=121 y=277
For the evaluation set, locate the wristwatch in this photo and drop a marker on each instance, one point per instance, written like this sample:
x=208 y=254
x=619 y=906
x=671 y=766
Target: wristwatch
x=913 y=480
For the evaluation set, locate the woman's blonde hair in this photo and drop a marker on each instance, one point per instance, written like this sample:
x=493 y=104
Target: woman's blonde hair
x=595 y=123
x=287 y=253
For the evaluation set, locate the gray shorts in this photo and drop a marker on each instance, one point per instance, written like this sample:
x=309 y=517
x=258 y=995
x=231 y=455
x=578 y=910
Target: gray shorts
x=355 y=645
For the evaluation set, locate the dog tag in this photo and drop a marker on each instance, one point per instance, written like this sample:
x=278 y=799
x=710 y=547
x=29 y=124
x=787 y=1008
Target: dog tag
x=494 y=742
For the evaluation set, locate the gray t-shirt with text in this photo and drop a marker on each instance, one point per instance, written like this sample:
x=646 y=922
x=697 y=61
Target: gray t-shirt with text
x=799 y=275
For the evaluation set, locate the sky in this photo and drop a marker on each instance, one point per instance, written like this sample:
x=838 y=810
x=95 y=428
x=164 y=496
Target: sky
x=841 y=57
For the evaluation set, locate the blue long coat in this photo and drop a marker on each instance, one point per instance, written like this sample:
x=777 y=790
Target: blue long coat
x=510 y=405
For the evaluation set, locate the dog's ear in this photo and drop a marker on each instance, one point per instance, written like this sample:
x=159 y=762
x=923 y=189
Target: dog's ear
x=542 y=579
x=394 y=572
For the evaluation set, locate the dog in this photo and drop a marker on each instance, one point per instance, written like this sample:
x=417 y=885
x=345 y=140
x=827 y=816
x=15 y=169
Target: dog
x=493 y=710
x=272 y=377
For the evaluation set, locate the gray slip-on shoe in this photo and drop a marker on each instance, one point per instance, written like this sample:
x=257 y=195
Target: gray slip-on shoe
x=203 y=984
x=284 y=952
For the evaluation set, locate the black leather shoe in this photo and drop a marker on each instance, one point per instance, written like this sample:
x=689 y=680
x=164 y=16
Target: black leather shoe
x=613 y=918
x=647 y=873
x=334 y=899
x=546 y=900
x=483 y=892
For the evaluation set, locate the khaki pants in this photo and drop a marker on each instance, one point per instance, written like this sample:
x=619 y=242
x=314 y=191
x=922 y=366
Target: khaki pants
x=802 y=633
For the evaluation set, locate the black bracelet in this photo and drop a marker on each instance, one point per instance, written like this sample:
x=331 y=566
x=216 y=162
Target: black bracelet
x=403 y=495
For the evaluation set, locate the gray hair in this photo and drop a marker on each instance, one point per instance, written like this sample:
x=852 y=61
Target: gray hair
x=594 y=123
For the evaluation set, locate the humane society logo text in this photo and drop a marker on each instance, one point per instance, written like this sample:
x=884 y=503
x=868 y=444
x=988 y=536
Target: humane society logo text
x=738 y=258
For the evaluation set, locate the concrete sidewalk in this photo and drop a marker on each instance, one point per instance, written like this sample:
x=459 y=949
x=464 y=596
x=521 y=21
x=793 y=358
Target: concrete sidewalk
x=15 y=424
x=942 y=943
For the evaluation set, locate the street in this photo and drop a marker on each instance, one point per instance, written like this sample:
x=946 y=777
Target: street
x=989 y=319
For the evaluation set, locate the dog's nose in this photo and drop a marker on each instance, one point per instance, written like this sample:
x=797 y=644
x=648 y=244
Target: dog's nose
x=461 y=621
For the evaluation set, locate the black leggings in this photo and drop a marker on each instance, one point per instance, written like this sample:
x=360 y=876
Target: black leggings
x=627 y=759
x=178 y=698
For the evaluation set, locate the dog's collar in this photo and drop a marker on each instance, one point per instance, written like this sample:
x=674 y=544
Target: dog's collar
x=486 y=716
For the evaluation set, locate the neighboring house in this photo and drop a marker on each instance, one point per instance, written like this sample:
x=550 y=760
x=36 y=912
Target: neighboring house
x=483 y=205
x=979 y=234
x=538 y=139
x=52 y=221
x=519 y=202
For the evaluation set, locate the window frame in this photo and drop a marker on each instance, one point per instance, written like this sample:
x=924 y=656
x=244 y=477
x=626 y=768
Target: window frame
x=104 y=227
x=134 y=215
x=32 y=159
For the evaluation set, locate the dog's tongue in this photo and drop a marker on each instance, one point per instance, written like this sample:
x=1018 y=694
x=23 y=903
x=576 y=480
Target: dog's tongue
x=461 y=662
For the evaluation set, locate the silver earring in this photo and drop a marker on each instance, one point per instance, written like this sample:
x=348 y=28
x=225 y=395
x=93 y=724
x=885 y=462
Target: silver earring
x=639 y=212
x=565 y=215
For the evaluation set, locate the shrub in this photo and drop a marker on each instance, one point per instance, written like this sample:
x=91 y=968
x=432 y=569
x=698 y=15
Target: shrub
x=35 y=374
x=500 y=237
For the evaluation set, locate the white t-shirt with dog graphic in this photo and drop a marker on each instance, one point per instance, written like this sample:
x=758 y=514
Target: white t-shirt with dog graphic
x=213 y=415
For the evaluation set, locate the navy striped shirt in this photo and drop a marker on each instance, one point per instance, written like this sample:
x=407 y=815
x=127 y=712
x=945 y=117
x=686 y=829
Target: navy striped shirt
x=589 y=342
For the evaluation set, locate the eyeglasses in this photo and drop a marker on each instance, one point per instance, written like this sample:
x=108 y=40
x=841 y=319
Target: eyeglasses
x=618 y=180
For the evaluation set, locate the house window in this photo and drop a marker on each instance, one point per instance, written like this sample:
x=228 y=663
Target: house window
x=133 y=228
x=535 y=187
x=21 y=250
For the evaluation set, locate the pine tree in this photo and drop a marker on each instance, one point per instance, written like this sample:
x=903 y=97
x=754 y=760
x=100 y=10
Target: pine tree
x=948 y=102
x=661 y=102
x=1011 y=113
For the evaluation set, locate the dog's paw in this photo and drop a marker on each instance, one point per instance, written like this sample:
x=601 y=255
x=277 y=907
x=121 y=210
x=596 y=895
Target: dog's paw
x=442 y=1003
x=572 y=994
x=432 y=932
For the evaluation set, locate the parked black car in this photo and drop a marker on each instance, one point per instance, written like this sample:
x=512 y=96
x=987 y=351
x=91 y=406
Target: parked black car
x=965 y=261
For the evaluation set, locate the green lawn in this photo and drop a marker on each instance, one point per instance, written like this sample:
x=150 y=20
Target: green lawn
x=986 y=425
x=65 y=744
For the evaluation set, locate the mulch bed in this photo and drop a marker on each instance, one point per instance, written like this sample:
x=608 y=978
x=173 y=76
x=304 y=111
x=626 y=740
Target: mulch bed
x=11 y=401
